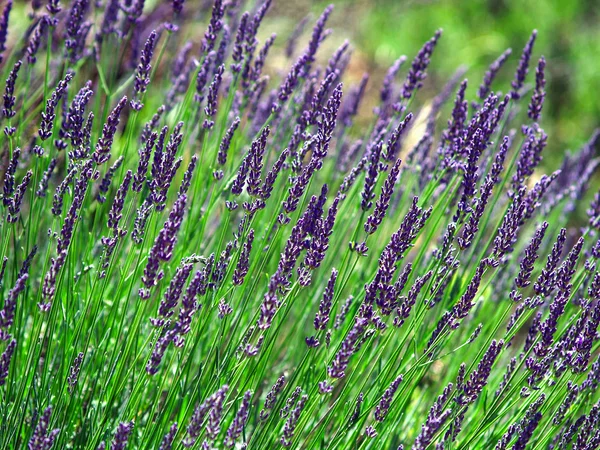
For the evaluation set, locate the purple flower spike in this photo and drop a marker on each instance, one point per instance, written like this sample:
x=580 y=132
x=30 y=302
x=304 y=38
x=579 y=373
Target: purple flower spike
x=5 y=361
x=162 y=249
x=49 y=115
x=239 y=421
x=142 y=74
x=530 y=257
x=537 y=99
x=121 y=437
x=77 y=30
x=104 y=145
x=289 y=427
x=271 y=398
x=4 y=27
x=42 y=439
x=523 y=67
x=323 y=315
x=243 y=265
x=417 y=71
x=9 y=97
x=338 y=367
x=255 y=162
x=212 y=98
x=36 y=38
x=491 y=73
x=386 y=400
x=226 y=142
x=383 y=202
x=167 y=442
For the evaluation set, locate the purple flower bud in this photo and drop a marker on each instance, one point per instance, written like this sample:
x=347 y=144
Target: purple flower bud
x=173 y=293
x=371 y=176
x=9 y=97
x=547 y=279
x=162 y=249
x=7 y=314
x=267 y=187
x=76 y=30
x=107 y=179
x=537 y=99
x=271 y=398
x=338 y=367
x=260 y=59
x=479 y=378
x=141 y=218
x=5 y=361
x=212 y=97
x=214 y=27
x=104 y=144
x=241 y=269
x=327 y=125
x=226 y=142
x=435 y=420
x=116 y=211
x=386 y=400
x=255 y=162
x=322 y=316
x=417 y=71
x=9 y=177
x=144 y=153
x=49 y=115
x=523 y=67
x=353 y=101
x=187 y=176
x=237 y=51
x=121 y=436
x=169 y=438
x=391 y=147
x=239 y=421
x=42 y=439
x=491 y=73
x=530 y=256
x=383 y=202
x=289 y=427
x=14 y=208
x=387 y=86
x=4 y=28
x=142 y=74
x=36 y=39
x=74 y=372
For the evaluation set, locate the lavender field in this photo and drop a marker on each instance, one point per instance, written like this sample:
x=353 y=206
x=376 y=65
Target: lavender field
x=207 y=241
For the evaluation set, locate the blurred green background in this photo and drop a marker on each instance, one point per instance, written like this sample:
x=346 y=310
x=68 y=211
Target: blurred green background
x=475 y=33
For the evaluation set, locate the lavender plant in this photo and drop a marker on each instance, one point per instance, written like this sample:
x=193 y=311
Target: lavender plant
x=199 y=255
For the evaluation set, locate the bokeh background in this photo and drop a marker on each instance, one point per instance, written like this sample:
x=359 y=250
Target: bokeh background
x=475 y=33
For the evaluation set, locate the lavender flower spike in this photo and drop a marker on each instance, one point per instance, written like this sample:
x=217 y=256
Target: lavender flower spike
x=49 y=115
x=537 y=99
x=121 y=437
x=386 y=400
x=239 y=421
x=523 y=67
x=323 y=315
x=416 y=73
x=142 y=75
x=531 y=255
x=103 y=147
x=383 y=202
x=290 y=425
x=4 y=27
x=9 y=97
x=5 y=361
x=491 y=73
x=42 y=439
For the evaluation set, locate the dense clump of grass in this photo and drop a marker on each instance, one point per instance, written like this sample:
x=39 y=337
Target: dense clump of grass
x=198 y=256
